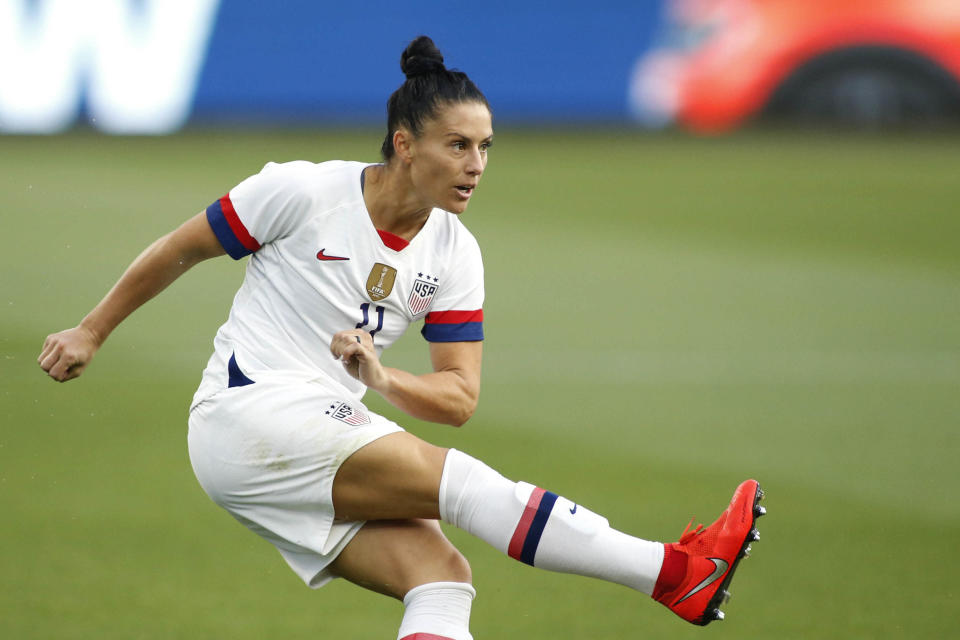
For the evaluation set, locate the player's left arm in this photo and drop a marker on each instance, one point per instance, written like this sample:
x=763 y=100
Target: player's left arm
x=448 y=395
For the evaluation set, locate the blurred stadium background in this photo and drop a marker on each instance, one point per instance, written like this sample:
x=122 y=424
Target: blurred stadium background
x=721 y=240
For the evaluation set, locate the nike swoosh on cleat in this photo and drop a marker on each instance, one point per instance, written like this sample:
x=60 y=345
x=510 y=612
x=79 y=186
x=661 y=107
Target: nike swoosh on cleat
x=574 y=510
x=720 y=568
x=322 y=256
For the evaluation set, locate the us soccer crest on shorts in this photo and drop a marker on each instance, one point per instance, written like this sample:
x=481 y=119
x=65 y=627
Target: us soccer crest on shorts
x=422 y=294
x=345 y=413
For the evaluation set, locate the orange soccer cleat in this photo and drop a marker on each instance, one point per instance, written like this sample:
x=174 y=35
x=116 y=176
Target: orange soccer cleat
x=697 y=569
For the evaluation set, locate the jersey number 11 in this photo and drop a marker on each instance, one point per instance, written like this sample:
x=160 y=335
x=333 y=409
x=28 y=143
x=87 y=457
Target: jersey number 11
x=365 y=308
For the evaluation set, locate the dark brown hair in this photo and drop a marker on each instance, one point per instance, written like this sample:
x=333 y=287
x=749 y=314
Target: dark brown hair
x=428 y=85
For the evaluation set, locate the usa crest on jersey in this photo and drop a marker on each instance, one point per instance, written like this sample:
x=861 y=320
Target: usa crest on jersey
x=345 y=413
x=421 y=296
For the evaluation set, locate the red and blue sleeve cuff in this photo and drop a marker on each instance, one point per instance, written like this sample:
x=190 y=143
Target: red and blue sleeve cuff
x=229 y=229
x=453 y=326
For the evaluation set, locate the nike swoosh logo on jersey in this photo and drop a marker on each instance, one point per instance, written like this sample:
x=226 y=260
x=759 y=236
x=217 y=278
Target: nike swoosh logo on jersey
x=720 y=568
x=322 y=256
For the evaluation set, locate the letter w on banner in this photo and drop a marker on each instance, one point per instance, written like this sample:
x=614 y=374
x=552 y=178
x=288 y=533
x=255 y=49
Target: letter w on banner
x=140 y=61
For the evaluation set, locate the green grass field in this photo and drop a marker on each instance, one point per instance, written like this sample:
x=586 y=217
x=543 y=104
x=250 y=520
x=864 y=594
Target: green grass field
x=665 y=317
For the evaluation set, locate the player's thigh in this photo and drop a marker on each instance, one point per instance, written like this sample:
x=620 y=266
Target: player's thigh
x=394 y=477
x=393 y=556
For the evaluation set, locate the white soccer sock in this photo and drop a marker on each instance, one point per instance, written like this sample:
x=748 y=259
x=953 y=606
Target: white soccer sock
x=542 y=529
x=437 y=611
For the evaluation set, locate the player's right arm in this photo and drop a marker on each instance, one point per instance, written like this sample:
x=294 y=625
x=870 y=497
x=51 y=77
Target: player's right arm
x=66 y=354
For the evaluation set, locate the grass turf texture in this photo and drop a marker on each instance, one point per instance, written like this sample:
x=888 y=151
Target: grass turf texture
x=665 y=316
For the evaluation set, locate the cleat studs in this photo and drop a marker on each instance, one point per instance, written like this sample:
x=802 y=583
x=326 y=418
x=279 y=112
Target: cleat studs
x=754 y=535
x=746 y=552
x=726 y=596
x=759 y=494
x=759 y=511
x=717 y=614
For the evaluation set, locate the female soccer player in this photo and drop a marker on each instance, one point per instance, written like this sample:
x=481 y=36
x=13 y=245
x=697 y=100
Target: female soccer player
x=345 y=256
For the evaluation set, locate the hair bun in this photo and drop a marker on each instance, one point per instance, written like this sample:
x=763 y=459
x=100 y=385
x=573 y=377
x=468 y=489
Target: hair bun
x=421 y=57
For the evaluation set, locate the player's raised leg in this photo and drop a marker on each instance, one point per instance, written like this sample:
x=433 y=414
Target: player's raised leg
x=547 y=531
x=542 y=529
x=400 y=472
x=411 y=560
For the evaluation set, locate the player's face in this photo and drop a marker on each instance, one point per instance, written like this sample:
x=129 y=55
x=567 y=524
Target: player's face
x=450 y=155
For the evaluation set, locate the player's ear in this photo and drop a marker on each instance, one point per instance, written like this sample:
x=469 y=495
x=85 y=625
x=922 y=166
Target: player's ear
x=403 y=144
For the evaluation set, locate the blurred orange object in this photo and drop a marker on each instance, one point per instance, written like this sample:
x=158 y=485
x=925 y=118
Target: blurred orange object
x=719 y=63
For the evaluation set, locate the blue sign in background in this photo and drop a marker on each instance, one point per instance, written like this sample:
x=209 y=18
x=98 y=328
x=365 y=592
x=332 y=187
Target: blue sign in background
x=301 y=61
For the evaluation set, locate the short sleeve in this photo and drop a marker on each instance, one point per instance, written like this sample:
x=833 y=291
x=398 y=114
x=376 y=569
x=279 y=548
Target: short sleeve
x=261 y=209
x=456 y=314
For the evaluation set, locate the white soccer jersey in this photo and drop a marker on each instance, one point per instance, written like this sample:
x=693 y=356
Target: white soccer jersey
x=319 y=267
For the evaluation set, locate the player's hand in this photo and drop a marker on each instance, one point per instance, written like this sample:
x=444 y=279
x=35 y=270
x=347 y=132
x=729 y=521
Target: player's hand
x=66 y=354
x=354 y=348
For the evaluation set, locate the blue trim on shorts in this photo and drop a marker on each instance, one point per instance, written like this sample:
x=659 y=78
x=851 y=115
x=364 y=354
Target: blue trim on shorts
x=237 y=378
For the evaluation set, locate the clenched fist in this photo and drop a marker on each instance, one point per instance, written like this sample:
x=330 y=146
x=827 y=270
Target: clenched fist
x=66 y=354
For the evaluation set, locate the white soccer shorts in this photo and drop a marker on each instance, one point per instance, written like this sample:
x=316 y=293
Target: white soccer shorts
x=268 y=453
